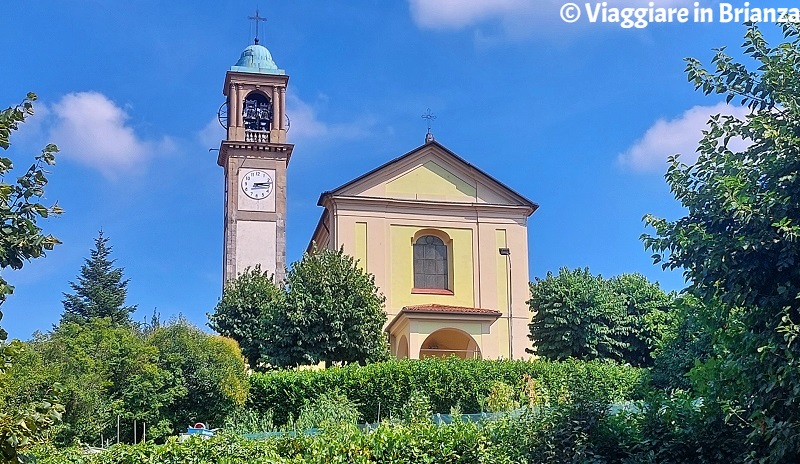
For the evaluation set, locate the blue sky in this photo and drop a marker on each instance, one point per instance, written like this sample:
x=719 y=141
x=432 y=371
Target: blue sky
x=578 y=117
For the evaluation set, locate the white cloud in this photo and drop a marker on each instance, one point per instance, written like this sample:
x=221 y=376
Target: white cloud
x=90 y=128
x=306 y=125
x=455 y=14
x=677 y=136
x=211 y=134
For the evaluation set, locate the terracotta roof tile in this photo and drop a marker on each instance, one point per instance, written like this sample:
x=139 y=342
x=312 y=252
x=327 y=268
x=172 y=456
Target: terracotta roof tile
x=438 y=308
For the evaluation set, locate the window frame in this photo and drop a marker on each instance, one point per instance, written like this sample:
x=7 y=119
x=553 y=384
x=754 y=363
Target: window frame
x=444 y=259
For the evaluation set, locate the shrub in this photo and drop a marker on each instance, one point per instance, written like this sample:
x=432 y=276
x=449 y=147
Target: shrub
x=223 y=449
x=460 y=442
x=502 y=397
x=105 y=371
x=665 y=430
x=686 y=341
x=244 y=421
x=680 y=428
x=448 y=383
x=327 y=409
x=581 y=432
x=417 y=409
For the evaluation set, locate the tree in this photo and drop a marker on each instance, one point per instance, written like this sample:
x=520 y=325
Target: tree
x=738 y=242
x=685 y=339
x=245 y=310
x=647 y=309
x=21 y=239
x=173 y=377
x=579 y=315
x=210 y=370
x=100 y=291
x=576 y=315
x=333 y=312
x=105 y=370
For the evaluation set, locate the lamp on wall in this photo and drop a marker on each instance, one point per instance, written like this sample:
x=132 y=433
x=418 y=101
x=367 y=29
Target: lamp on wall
x=507 y=253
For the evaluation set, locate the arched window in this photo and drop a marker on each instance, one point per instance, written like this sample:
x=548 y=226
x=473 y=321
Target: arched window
x=430 y=263
x=257 y=112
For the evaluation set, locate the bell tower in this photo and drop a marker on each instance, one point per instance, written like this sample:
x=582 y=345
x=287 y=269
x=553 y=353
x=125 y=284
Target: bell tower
x=255 y=156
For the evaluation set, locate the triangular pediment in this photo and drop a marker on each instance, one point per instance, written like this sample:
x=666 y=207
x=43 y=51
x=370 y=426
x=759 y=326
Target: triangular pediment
x=432 y=173
x=431 y=179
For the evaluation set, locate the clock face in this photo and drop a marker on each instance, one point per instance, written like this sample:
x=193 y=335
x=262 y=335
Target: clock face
x=257 y=184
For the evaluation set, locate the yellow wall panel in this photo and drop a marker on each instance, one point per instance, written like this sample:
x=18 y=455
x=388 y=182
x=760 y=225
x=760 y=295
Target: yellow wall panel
x=460 y=262
x=502 y=272
x=361 y=245
x=431 y=179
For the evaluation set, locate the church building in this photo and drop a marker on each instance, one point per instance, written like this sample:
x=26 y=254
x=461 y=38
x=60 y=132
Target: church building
x=446 y=242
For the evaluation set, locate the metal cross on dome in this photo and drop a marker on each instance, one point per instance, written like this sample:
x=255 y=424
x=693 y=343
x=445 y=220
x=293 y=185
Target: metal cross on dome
x=429 y=116
x=257 y=19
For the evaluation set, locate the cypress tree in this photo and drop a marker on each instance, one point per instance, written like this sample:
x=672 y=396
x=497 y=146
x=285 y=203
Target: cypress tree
x=100 y=290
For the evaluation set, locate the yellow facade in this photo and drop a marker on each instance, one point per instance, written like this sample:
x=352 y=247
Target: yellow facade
x=478 y=307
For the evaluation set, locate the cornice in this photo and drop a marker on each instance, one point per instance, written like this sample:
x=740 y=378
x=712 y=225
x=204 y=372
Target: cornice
x=254 y=149
x=428 y=205
x=253 y=79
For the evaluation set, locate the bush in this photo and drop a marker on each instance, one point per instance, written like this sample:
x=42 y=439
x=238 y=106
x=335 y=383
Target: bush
x=244 y=421
x=328 y=409
x=392 y=443
x=220 y=449
x=447 y=383
x=417 y=409
x=686 y=342
x=581 y=432
x=680 y=428
x=664 y=430
x=502 y=398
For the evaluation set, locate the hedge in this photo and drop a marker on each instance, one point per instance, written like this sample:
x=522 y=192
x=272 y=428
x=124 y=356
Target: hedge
x=447 y=382
x=666 y=430
x=459 y=443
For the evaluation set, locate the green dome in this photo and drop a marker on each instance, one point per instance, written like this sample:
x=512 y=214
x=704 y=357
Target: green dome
x=256 y=59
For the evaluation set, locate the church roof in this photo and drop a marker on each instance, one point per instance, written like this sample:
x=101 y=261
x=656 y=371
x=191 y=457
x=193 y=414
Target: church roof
x=256 y=59
x=446 y=309
x=442 y=149
x=439 y=311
